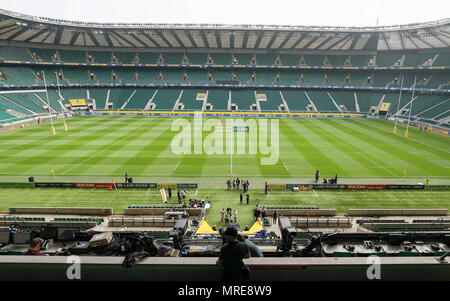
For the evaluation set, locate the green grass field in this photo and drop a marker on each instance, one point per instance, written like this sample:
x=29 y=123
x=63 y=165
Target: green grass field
x=110 y=146
x=98 y=149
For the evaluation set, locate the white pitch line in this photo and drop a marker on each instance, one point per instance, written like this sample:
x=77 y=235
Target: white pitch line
x=412 y=139
x=225 y=176
x=90 y=157
x=147 y=191
x=196 y=192
x=285 y=165
x=96 y=154
x=177 y=165
x=277 y=195
x=315 y=193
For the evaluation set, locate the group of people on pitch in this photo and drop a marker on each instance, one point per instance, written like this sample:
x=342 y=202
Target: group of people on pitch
x=235 y=184
x=325 y=180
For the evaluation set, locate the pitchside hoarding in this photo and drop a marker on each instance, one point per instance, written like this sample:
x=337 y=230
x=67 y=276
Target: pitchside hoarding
x=349 y=186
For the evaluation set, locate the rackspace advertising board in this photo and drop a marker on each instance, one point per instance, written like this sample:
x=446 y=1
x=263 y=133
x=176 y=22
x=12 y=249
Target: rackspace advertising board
x=50 y=185
x=365 y=187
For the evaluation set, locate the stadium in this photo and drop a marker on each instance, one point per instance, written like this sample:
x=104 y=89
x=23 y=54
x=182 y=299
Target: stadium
x=119 y=140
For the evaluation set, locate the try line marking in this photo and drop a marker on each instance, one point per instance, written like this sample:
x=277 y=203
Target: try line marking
x=285 y=165
x=177 y=165
x=98 y=153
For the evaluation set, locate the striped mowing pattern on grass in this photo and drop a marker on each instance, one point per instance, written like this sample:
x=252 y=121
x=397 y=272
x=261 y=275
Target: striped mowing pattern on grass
x=141 y=146
x=122 y=198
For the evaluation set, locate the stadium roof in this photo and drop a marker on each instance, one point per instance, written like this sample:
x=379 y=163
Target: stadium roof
x=39 y=31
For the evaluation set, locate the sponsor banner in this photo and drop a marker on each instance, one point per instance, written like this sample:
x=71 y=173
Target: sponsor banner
x=136 y=185
x=241 y=129
x=187 y=186
x=300 y=186
x=313 y=186
x=385 y=106
x=291 y=186
x=261 y=97
x=16 y=185
x=201 y=96
x=93 y=185
x=405 y=186
x=49 y=184
x=326 y=186
x=167 y=185
x=365 y=187
x=277 y=186
x=432 y=129
x=78 y=102
x=437 y=187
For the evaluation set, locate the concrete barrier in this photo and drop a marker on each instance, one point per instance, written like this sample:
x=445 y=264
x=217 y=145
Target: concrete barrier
x=302 y=212
x=321 y=222
x=81 y=224
x=61 y=210
x=95 y=268
x=118 y=221
x=418 y=226
x=161 y=211
x=397 y=212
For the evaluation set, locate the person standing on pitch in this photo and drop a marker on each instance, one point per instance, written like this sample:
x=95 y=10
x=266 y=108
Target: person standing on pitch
x=266 y=188
x=170 y=193
x=235 y=215
x=227 y=218
x=248 y=198
x=256 y=212
x=126 y=177
x=179 y=196
x=335 y=179
x=237 y=183
x=275 y=215
x=241 y=197
x=317 y=175
x=222 y=214
x=263 y=212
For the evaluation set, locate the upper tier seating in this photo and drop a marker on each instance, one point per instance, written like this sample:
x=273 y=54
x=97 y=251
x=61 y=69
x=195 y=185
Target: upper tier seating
x=165 y=99
x=218 y=98
x=383 y=58
x=189 y=99
x=244 y=99
x=140 y=99
x=296 y=100
x=272 y=102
